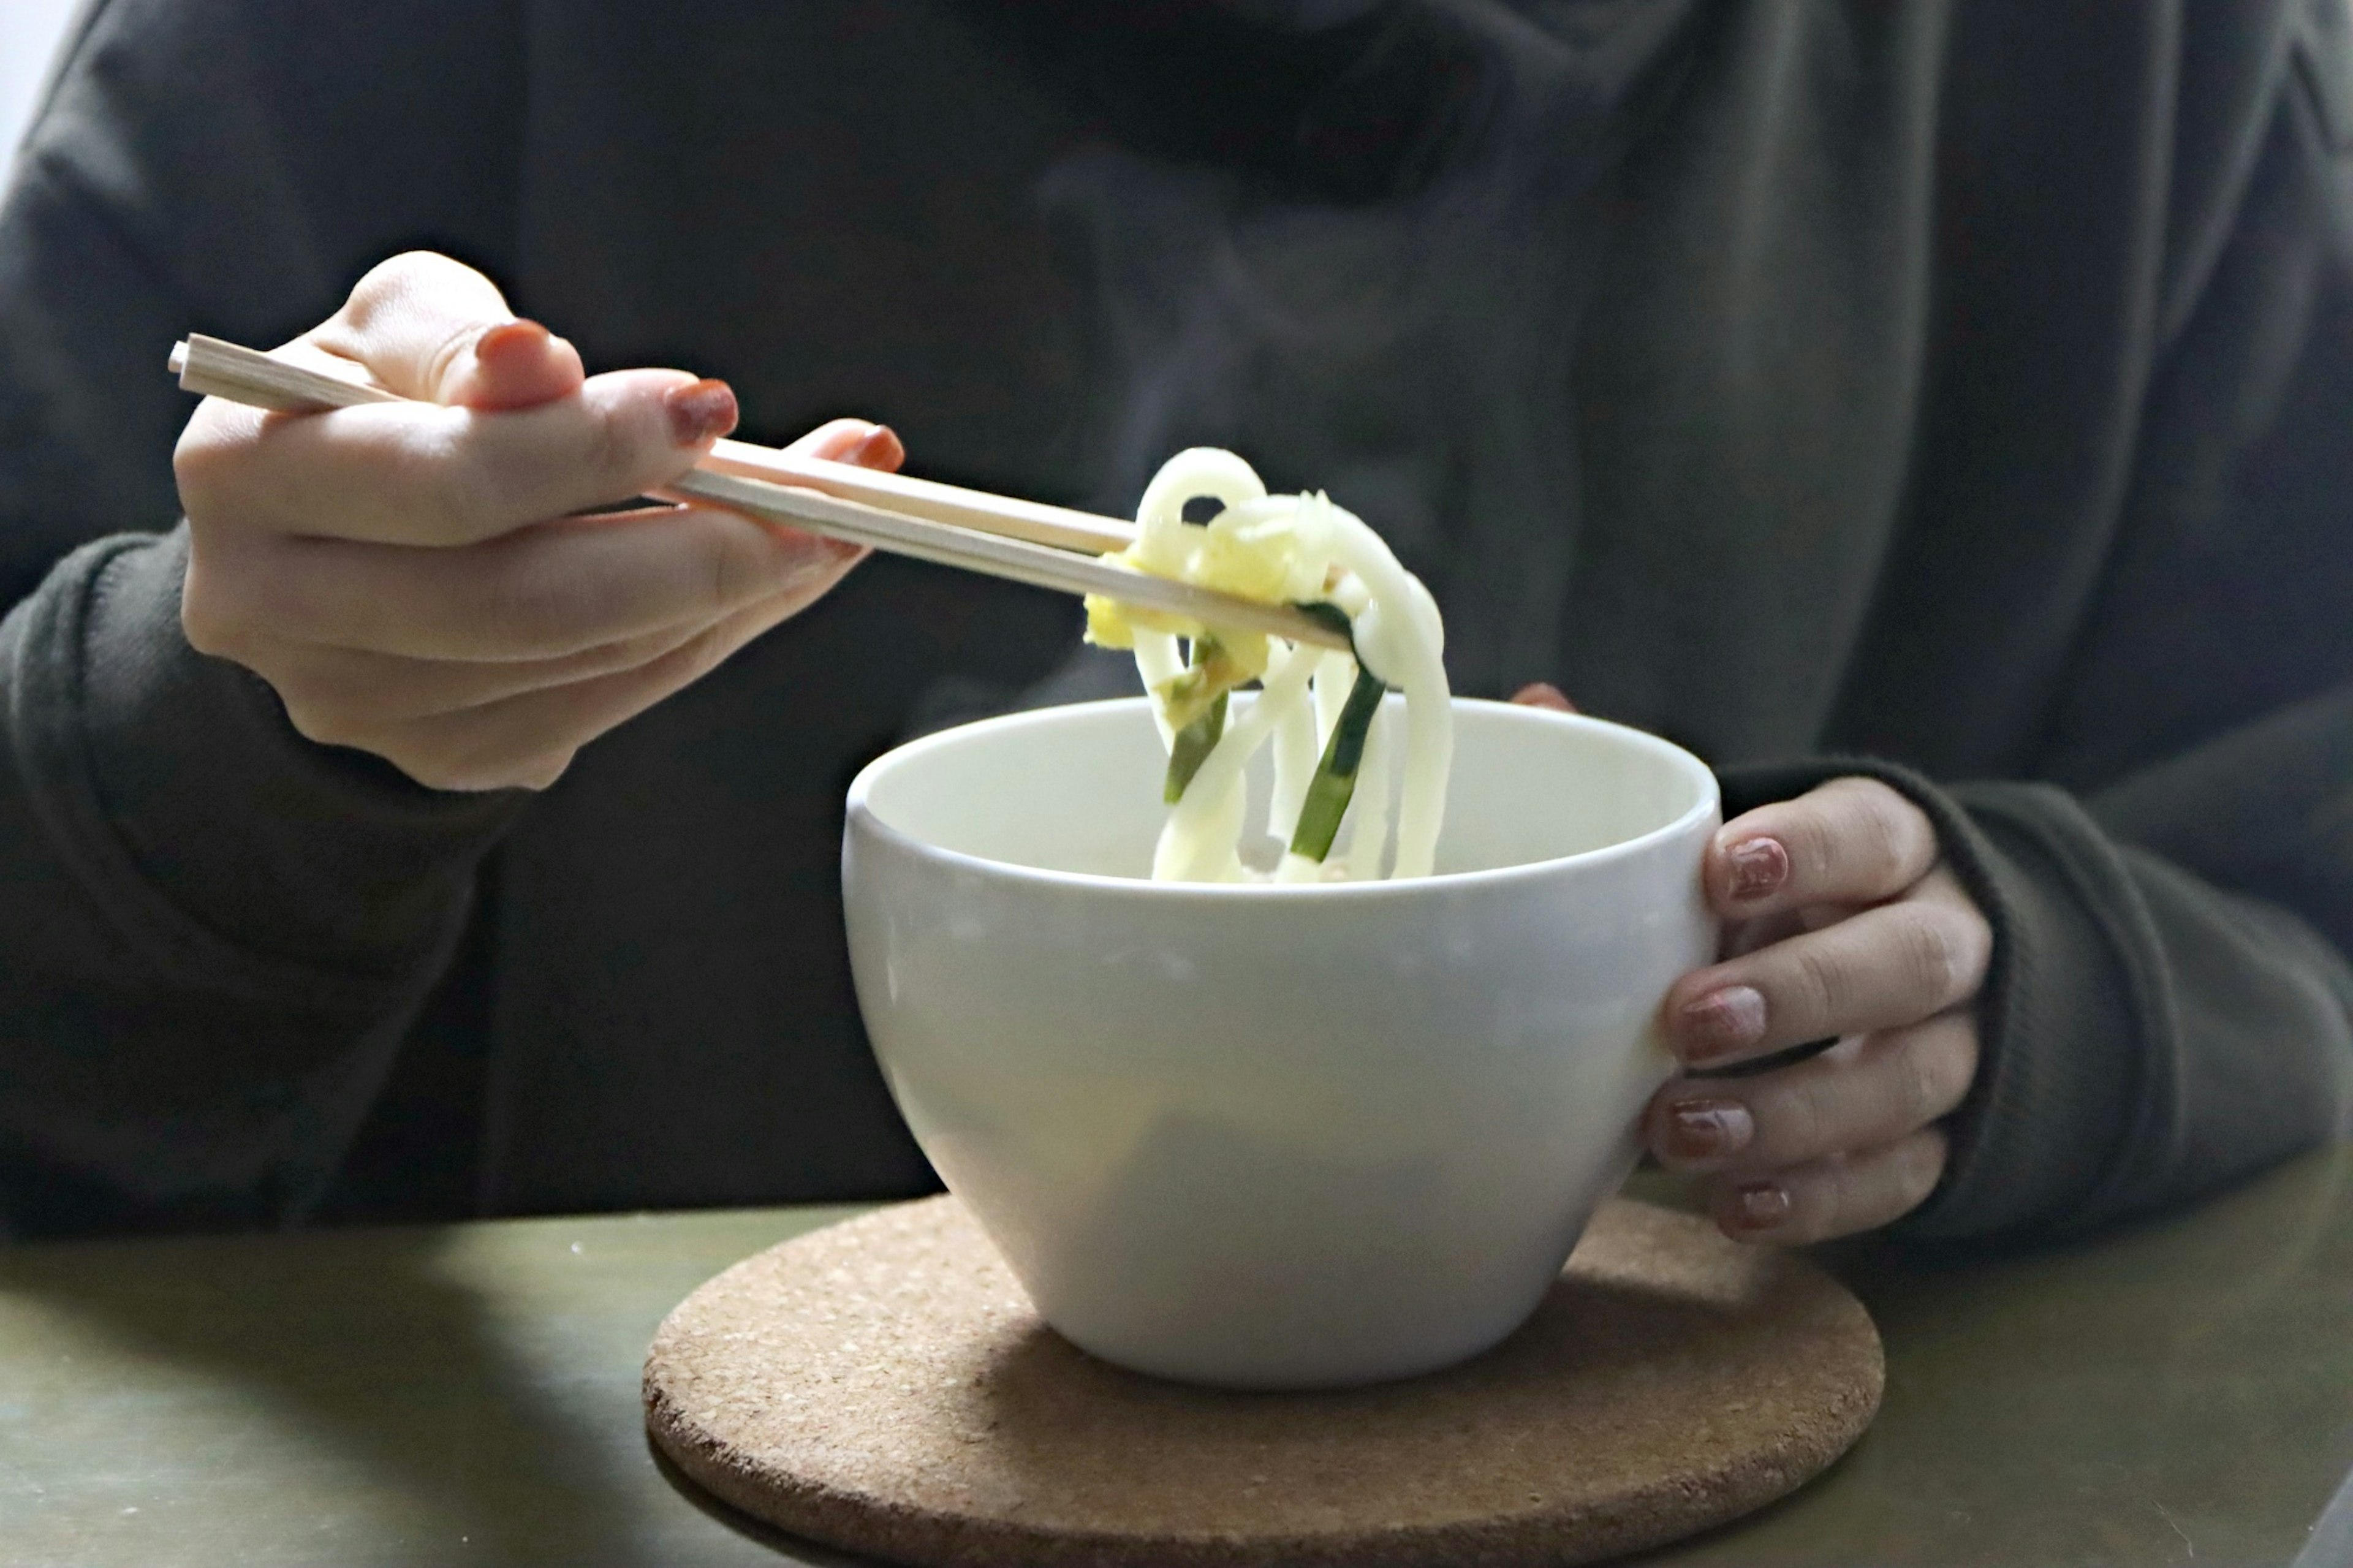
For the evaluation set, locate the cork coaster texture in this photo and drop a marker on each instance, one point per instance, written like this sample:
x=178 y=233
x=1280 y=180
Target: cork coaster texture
x=884 y=1386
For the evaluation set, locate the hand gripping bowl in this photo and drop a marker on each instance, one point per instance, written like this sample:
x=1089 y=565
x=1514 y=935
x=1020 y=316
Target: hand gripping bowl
x=1275 y=1137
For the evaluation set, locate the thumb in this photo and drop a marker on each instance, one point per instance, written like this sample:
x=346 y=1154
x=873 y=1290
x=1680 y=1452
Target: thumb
x=428 y=327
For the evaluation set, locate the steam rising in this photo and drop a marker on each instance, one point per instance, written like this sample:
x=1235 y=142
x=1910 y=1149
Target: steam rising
x=1388 y=310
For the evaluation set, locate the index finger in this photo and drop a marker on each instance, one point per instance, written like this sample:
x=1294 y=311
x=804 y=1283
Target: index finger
x=419 y=473
x=1850 y=841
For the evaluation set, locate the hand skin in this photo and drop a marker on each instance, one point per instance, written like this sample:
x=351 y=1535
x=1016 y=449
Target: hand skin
x=1841 y=921
x=411 y=579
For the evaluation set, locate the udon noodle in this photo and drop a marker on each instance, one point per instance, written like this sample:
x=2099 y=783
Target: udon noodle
x=1320 y=710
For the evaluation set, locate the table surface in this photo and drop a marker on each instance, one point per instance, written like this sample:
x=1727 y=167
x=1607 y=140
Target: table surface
x=2182 y=1392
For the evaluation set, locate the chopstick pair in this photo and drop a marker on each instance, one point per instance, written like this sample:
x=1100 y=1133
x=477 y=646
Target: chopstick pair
x=998 y=536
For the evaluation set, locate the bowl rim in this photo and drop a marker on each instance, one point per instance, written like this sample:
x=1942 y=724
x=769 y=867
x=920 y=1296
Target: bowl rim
x=861 y=817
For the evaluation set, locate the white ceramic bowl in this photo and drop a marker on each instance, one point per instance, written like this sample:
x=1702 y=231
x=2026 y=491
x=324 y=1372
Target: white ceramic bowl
x=1275 y=1137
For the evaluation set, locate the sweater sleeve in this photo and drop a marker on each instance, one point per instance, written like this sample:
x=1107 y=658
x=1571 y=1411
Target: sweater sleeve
x=216 y=931
x=2168 y=866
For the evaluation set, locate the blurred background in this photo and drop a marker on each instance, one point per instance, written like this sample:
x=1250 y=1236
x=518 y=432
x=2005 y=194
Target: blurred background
x=29 y=31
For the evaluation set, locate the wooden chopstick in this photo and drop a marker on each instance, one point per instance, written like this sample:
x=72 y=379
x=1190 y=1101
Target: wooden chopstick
x=216 y=368
x=910 y=497
x=999 y=536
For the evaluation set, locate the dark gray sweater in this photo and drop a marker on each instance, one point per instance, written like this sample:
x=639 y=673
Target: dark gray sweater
x=1964 y=388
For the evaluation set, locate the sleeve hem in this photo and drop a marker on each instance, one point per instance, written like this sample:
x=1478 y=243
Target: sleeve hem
x=53 y=756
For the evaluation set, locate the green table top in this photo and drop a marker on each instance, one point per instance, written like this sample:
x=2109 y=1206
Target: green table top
x=2180 y=1392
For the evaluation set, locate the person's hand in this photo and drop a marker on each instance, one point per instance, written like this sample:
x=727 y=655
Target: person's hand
x=1842 y=921
x=411 y=579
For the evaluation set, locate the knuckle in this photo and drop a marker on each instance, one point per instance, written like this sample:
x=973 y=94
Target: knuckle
x=216 y=465
x=1917 y=845
x=1814 y=986
x=336 y=703
x=1882 y=861
x=450 y=348
x=624 y=654
x=1928 y=955
x=1972 y=936
x=307 y=698
x=735 y=567
x=209 y=624
x=378 y=287
x=1810 y=836
x=717 y=573
x=1877 y=841
x=461 y=769
x=541 y=772
x=1817 y=1223
x=706 y=654
x=1843 y=1206
x=326 y=722
x=1839 y=1194
x=217 y=614
x=1921 y=1164
x=1792 y=1117
x=640 y=686
x=391 y=278
x=613 y=450
x=430 y=760
x=1886 y=1185
x=400 y=280
x=1816 y=1197
x=1916 y=1083
x=434 y=772
x=1880 y=829
x=532 y=771
x=463 y=489
x=198 y=459
x=1947 y=1063
x=1841 y=1201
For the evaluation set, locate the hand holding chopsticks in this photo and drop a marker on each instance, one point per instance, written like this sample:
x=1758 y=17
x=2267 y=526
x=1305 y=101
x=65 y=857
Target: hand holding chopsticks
x=432 y=572
x=1000 y=536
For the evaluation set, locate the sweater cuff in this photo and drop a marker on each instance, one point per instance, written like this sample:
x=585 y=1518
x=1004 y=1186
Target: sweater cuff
x=2062 y=1084
x=235 y=855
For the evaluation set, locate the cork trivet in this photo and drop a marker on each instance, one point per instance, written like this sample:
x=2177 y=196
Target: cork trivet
x=885 y=1387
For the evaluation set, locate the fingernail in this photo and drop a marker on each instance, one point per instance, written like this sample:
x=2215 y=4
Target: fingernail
x=1707 y=1129
x=1760 y=866
x=1720 y=1023
x=700 y=411
x=510 y=337
x=881 y=448
x=1759 y=1205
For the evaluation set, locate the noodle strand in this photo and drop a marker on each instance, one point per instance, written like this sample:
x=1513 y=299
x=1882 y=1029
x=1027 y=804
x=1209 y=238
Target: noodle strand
x=1284 y=550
